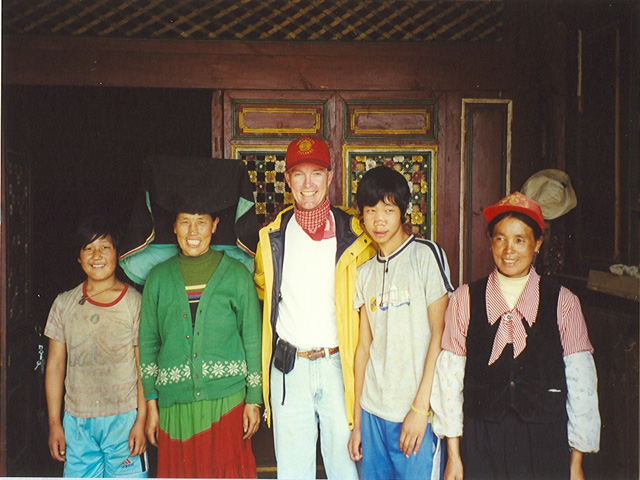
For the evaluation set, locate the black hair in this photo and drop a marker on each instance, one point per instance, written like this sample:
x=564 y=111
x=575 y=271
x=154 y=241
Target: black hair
x=523 y=217
x=382 y=184
x=195 y=212
x=93 y=227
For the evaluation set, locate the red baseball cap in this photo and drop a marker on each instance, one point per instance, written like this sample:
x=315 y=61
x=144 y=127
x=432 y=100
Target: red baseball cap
x=308 y=150
x=516 y=202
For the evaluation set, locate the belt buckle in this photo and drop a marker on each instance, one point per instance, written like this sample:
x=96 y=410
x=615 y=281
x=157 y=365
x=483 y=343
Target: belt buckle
x=315 y=354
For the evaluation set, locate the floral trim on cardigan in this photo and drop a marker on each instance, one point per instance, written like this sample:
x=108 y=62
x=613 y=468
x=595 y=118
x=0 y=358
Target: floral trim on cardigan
x=182 y=372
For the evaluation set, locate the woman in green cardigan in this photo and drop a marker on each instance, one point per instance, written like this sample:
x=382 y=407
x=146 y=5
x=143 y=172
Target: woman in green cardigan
x=200 y=358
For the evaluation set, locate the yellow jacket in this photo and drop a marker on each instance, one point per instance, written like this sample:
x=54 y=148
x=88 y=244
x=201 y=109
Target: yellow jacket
x=354 y=248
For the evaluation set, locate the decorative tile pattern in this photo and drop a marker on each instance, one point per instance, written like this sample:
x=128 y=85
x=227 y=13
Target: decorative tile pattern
x=417 y=167
x=266 y=172
x=259 y=20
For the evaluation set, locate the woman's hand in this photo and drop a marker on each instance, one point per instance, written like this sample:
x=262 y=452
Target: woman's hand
x=152 y=424
x=453 y=470
x=250 y=420
x=576 y=472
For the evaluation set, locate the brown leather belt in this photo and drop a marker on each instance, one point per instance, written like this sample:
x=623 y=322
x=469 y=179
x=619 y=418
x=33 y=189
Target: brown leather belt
x=318 y=353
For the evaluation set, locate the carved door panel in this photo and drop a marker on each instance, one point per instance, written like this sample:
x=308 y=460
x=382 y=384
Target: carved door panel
x=484 y=178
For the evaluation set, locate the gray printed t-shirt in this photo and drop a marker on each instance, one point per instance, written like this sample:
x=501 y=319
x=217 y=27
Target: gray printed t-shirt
x=396 y=299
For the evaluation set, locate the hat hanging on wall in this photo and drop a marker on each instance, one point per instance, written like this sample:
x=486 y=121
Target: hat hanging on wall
x=552 y=189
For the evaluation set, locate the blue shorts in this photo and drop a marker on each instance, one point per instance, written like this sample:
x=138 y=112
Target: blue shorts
x=382 y=458
x=99 y=447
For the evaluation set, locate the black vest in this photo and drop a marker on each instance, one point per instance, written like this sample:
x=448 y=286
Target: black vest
x=534 y=383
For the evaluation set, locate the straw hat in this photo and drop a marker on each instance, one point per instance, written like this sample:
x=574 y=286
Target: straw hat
x=552 y=189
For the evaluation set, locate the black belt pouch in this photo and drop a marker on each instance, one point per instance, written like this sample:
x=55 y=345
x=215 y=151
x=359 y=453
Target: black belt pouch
x=284 y=358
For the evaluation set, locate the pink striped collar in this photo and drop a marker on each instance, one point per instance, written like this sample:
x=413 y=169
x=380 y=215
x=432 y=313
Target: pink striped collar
x=527 y=305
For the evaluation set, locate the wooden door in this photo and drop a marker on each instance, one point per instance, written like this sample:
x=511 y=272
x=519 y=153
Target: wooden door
x=24 y=452
x=484 y=178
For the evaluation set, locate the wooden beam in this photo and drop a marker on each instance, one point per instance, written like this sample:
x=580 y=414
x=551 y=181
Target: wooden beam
x=258 y=65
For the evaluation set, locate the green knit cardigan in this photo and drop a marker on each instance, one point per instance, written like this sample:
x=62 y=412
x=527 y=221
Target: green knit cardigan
x=216 y=358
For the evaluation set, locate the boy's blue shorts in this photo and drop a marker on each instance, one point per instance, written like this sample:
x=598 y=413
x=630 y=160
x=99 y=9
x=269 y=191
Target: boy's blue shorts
x=99 y=447
x=382 y=458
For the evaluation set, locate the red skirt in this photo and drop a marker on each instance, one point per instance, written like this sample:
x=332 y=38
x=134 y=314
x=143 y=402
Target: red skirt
x=204 y=440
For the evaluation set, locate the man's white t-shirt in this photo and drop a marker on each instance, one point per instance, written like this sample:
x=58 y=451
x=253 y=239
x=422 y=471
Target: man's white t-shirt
x=307 y=310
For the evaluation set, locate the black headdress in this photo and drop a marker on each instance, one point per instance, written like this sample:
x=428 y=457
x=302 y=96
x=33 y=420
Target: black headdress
x=219 y=187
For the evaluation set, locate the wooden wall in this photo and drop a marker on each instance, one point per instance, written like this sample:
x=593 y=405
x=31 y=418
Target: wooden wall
x=568 y=69
x=450 y=74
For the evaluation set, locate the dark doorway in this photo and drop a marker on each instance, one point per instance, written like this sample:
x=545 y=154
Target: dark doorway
x=81 y=149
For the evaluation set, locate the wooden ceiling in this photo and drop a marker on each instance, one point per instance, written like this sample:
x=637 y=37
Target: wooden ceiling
x=413 y=21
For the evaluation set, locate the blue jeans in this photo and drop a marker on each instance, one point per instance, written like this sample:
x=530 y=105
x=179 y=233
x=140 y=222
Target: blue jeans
x=314 y=395
x=382 y=458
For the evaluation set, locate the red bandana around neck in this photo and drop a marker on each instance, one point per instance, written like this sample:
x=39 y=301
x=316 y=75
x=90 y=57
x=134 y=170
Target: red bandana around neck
x=317 y=223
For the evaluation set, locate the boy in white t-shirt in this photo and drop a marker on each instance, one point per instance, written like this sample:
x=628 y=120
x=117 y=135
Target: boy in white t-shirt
x=402 y=296
x=93 y=360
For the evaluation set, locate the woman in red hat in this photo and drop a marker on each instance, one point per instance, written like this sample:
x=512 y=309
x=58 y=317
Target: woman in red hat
x=516 y=366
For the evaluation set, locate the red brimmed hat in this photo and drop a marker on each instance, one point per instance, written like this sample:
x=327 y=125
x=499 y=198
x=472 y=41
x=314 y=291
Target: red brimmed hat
x=516 y=202
x=308 y=150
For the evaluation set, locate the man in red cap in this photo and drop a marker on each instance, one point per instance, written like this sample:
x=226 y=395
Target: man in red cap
x=305 y=272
